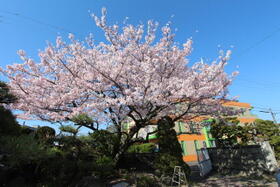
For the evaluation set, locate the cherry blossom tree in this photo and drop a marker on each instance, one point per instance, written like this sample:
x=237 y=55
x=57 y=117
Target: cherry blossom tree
x=133 y=76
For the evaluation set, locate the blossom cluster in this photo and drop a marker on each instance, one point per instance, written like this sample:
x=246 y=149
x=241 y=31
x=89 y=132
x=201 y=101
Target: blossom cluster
x=133 y=73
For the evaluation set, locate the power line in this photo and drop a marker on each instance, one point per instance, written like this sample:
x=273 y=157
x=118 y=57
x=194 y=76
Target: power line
x=268 y=111
x=68 y=31
x=38 y=21
x=253 y=87
x=265 y=108
x=266 y=37
x=259 y=42
x=267 y=83
x=257 y=107
x=273 y=114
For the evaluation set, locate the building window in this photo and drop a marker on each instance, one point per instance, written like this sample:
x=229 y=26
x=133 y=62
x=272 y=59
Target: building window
x=213 y=143
x=183 y=146
x=204 y=144
x=181 y=127
x=196 y=144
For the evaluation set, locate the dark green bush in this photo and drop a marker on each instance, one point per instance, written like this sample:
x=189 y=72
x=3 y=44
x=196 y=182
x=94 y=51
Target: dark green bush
x=45 y=134
x=8 y=123
x=82 y=119
x=38 y=163
x=170 y=151
x=165 y=163
x=142 y=148
x=167 y=138
x=268 y=130
x=5 y=96
x=23 y=149
x=26 y=130
x=147 y=181
x=104 y=142
x=230 y=135
x=27 y=159
x=104 y=167
x=69 y=129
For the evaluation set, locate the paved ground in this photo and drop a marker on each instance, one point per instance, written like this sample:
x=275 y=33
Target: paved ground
x=236 y=181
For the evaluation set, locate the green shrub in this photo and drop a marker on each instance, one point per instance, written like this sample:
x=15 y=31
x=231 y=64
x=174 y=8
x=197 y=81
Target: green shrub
x=230 y=135
x=267 y=130
x=27 y=159
x=69 y=129
x=104 y=142
x=165 y=163
x=38 y=162
x=167 y=138
x=170 y=151
x=147 y=181
x=104 y=167
x=45 y=134
x=26 y=130
x=8 y=123
x=142 y=148
x=82 y=119
x=5 y=96
x=23 y=149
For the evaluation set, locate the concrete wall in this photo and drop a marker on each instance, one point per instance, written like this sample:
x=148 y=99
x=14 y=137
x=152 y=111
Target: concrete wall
x=247 y=160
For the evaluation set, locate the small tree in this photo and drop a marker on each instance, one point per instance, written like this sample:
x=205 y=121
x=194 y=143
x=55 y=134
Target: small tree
x=69 y=129
x=228 y=133
x=45 y=134
x=8 y=123
x=169 y=148
x=132 y=77
x=265 y=129
x=269 y=131
x=6 y=97
x=167 y=136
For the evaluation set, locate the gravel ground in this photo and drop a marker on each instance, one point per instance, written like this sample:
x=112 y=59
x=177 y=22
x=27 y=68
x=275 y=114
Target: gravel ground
x=236 y=181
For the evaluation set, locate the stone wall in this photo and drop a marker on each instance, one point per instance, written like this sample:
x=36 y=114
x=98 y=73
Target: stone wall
x=247 y=160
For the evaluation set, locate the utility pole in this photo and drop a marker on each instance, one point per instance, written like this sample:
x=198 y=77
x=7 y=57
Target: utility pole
x=273 y=114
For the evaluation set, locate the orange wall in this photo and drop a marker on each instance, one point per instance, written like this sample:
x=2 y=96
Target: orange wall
x=185 y=137
x=190 y=158
x=189 y=137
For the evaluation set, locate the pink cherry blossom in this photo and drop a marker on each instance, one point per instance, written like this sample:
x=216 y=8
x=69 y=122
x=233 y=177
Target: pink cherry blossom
x=132 y=76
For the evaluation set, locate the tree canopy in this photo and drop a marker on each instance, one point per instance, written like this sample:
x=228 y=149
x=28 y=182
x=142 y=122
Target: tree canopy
x=134 y=76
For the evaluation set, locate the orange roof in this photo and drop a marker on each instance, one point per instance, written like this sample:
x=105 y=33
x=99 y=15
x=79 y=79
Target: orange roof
x=235 y=103
x=224 y=103
x=201 y=118
x=246 y=120
x=184 y=119
x=196 y=119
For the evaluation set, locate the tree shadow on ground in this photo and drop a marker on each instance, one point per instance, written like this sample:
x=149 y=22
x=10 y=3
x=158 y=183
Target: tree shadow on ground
x=217 y=180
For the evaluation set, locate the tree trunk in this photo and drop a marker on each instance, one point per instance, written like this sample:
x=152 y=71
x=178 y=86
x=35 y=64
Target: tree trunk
x=122 y=149
x=124 y=146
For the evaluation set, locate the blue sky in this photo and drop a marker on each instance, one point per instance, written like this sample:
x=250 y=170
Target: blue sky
x=251 y=29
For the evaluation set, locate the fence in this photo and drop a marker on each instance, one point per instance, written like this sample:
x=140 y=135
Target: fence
x=248 y=160
x=204 y=162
